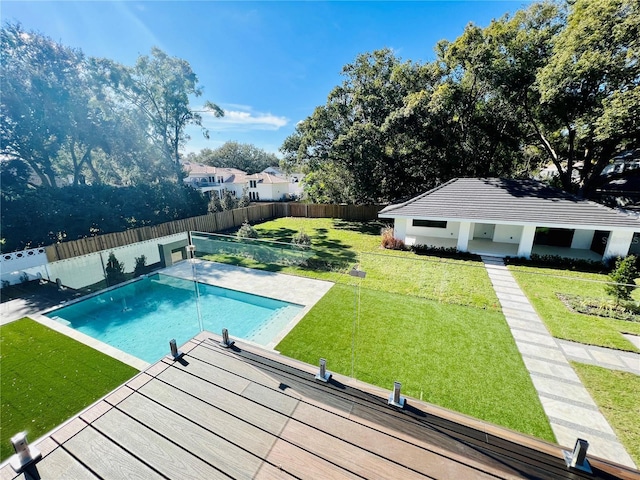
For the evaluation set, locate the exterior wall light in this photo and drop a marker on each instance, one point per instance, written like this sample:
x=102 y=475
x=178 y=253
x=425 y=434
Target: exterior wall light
x=395 y=399
x=323 y=375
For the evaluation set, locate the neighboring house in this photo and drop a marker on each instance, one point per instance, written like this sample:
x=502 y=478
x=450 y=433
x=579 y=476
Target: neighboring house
x=295 y=180
x=512 y=218
x=264 y=186
x=214 y=180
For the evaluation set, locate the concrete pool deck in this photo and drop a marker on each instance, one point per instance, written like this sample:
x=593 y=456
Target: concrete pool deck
x=289 y=288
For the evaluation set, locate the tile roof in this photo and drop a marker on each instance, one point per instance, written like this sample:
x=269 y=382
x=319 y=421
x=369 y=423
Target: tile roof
x=509 y=201
x=246 y=412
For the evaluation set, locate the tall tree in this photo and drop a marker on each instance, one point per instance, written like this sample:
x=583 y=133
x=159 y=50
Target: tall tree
x=38 y=80
x=242 y=156
x=160 y=86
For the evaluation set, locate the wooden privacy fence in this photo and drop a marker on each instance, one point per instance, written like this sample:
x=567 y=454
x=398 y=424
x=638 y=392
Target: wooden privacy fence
x=213 y=222
x=345 y=212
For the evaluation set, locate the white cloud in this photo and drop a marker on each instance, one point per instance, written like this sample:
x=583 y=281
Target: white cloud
x=244 y=120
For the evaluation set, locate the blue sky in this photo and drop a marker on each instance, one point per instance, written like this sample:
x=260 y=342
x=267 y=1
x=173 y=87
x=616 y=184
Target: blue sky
x=268 y=64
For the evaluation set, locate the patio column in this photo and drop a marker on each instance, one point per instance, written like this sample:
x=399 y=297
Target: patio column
x=526 y=241
x=463 y=236
x=618 y=244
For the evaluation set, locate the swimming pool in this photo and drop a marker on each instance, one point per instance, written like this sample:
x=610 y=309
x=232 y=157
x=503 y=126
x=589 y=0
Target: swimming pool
x=141 y=317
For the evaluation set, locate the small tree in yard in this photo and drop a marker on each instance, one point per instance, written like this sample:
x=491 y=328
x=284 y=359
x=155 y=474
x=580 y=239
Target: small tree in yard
x=624 y=275
x=247 y=231
x=114 y=270
x=141 y=266
x=301 y=239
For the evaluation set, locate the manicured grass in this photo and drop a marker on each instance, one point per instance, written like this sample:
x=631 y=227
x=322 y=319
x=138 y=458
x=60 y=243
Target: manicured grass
x=338 y=245
x=616 y=394
x=459 y=357
x=48 y=377
x=541 y=285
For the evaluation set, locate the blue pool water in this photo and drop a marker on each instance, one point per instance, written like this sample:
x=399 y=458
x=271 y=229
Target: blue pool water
x=140 y=318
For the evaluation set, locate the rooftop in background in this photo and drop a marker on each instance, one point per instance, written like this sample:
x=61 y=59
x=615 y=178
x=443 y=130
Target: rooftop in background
x=506 y=200
x=249 y=413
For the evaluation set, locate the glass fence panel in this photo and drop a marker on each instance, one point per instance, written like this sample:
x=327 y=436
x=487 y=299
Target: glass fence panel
x=260 y=251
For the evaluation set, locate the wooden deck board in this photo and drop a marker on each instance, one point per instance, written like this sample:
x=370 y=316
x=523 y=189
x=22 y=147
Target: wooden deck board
x=158 y=452
x=106 y=458
x=202 y=443
x=60 y=465
x=253 y=439
x=248 y=413
x=226 y=401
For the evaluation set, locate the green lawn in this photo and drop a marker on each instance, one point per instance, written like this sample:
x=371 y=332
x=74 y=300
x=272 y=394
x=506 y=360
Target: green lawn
x=433 y=324
x=47 y=377
x=616 y=394
x=541 y=285
x=338 y=245
x=459 y=357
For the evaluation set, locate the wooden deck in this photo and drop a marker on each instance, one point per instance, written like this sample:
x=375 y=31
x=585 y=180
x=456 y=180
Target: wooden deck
x=249 y=413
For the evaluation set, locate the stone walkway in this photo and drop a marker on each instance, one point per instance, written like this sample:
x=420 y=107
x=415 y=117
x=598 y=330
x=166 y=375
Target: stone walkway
x=600 y=356
x=570 y=409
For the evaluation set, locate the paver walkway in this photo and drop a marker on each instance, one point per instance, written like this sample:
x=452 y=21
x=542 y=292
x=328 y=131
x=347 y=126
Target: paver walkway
x=600 y=356
x=571 y=411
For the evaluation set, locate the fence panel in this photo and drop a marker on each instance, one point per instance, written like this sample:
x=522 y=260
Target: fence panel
x=213 y=222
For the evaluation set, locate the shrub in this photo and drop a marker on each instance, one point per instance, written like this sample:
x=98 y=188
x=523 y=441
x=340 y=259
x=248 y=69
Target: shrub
x=301 y=239
x=141 y=266
x=389 y=241
x=556 y=261
x=247 y=231
x=623 y=277
x=445 y=252
x=114 y=270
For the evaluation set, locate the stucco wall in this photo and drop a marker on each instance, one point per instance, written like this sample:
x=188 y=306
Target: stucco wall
x=483 y=230
x=582 y=239
x=450 y=232
x=507 y=234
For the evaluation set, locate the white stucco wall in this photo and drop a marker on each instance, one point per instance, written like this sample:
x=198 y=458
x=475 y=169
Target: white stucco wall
x=507 y=234
x=582 y=239
x=526 y=241
x=450 y=232
x=483 y=230
x=400 y=229
x=618 y=244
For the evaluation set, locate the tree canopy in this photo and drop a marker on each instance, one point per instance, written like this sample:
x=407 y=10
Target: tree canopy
x=243 y=156
x=89 y=119
x=552 y=84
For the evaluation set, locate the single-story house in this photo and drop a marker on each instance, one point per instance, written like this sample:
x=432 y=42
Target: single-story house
x=513 y=218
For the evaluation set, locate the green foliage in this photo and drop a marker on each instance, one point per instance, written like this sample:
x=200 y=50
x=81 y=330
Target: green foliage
x=552 y=83
x=44 y=216
x=141 y=266
x=301 y=238
x=247 y=231
x=243 y=156
x=623 y=277
x=114 y=270
x=47 y=377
